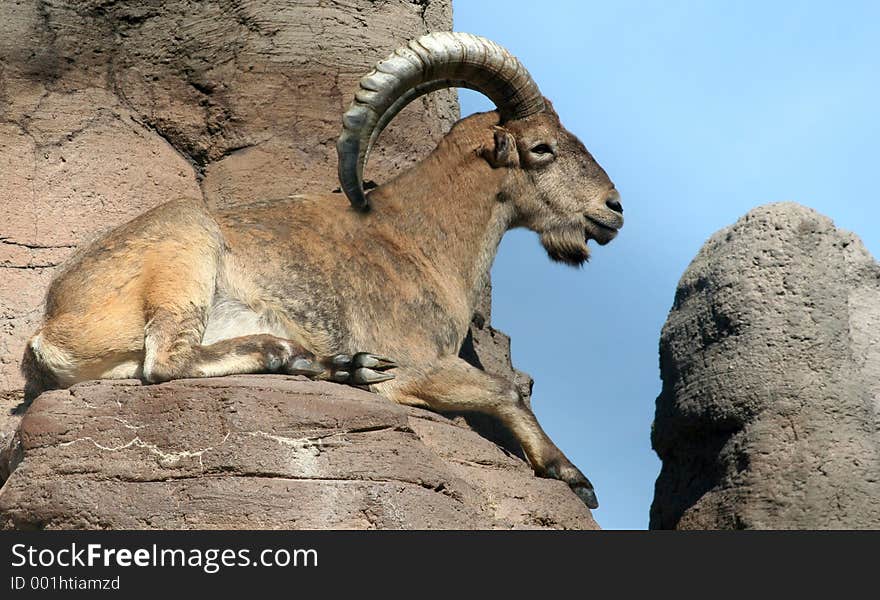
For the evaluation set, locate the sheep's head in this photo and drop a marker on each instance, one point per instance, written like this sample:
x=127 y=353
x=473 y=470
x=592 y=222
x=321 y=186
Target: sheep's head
x=558 y=189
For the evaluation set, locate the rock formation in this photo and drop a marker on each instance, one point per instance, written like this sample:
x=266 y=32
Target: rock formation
x=770 y=360
x=264 y=452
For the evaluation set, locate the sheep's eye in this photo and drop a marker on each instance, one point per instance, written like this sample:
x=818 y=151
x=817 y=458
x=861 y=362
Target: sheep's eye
x=542 y=149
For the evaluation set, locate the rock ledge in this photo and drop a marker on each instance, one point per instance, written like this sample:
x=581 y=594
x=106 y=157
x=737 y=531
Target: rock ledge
x=255 y=452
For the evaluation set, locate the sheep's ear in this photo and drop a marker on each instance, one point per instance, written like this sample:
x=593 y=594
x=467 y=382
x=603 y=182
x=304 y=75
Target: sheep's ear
x=504 y=152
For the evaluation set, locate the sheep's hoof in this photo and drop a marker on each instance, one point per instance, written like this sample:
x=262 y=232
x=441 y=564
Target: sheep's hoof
x=364 y=376
x=586 y=493
x=563 y=470
x=371 y=361
x=361 y=369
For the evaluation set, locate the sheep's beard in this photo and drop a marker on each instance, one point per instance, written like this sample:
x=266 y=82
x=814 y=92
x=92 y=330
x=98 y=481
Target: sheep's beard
x=567 y=246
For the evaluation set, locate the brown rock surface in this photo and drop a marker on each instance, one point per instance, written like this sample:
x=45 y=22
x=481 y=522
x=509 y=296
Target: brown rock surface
x=769 y=417
x=264 y=452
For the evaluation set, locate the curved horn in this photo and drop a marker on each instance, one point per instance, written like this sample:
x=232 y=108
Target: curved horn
x=429 y=63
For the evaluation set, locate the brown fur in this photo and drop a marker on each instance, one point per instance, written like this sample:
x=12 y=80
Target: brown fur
x=183 y=292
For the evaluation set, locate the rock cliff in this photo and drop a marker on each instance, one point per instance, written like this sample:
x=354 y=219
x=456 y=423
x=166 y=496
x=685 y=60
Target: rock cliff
x=769 y=416
x=264 y=452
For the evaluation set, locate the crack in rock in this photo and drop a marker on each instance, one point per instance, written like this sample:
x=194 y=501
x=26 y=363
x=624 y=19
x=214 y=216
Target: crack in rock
x=166 y=459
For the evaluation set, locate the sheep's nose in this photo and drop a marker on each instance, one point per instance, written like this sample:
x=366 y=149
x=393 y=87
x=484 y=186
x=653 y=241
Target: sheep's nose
x=613 y=202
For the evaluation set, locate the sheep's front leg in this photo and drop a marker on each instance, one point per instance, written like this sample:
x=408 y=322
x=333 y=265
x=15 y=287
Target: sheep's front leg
x=454 y=385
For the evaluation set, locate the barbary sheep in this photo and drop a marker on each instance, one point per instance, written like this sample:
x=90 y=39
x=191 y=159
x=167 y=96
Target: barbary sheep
x=314 y=286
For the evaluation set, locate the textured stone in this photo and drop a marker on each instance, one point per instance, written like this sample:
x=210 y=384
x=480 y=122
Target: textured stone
x=770 y=360
x=264 y=452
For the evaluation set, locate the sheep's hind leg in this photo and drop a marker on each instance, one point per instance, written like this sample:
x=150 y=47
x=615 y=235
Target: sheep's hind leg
x=454 y=385
x=176 y=303
x=179 y=357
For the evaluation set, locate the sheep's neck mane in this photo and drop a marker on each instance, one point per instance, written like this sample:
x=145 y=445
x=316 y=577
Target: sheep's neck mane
x=448 y=205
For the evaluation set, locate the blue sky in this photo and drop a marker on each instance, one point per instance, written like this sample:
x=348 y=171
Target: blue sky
x=698 y=111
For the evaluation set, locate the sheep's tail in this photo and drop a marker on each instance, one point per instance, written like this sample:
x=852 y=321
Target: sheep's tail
x=37 y=375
